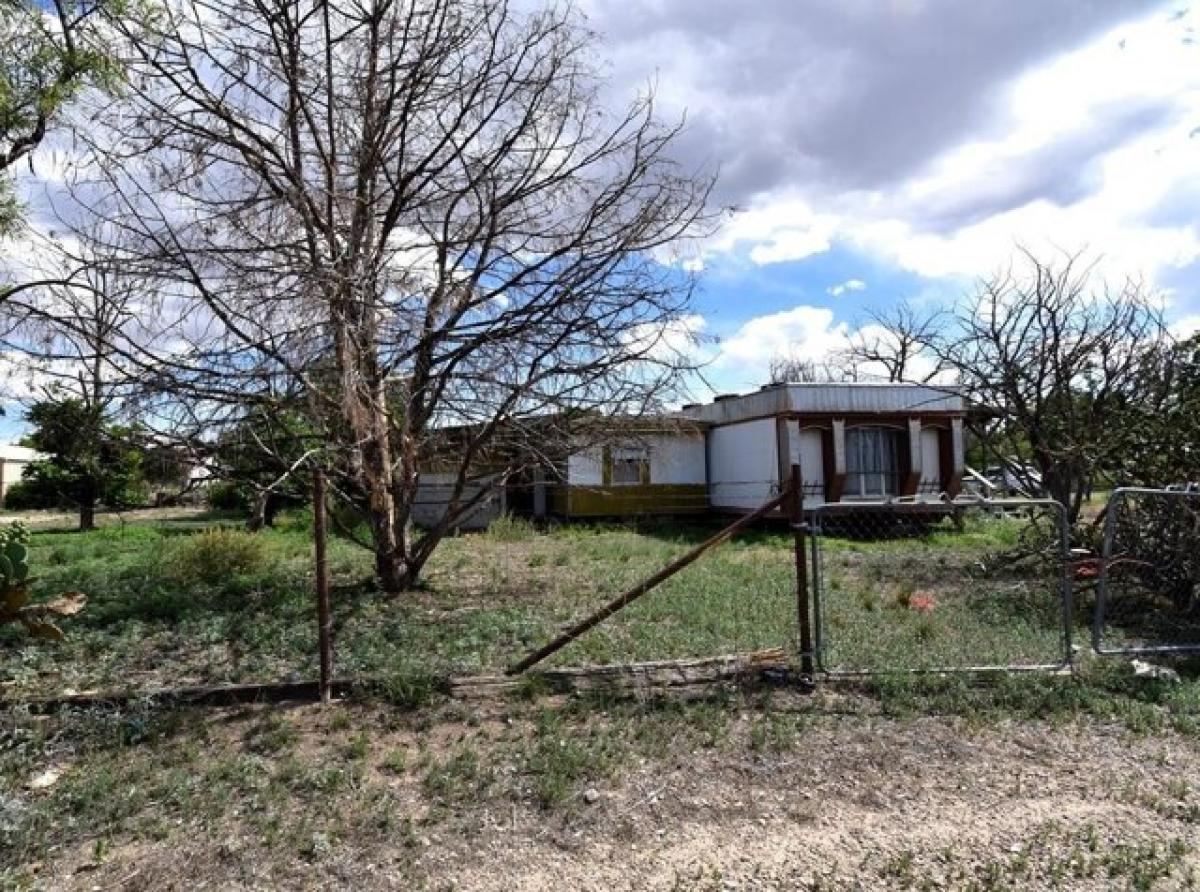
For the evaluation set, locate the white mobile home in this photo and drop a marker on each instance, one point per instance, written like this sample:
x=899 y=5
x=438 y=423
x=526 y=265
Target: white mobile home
x=853 y=442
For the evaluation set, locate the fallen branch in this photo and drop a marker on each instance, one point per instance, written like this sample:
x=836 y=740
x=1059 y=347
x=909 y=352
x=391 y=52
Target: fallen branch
x=624 y=677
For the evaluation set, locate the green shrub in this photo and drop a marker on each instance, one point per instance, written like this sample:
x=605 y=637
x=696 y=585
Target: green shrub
x=509 y=528
x=227 y=496
x=25 y=496
x=295 y=520
x=214 y=556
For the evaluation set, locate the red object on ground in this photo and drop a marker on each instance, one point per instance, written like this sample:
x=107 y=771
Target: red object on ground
x=923 y=603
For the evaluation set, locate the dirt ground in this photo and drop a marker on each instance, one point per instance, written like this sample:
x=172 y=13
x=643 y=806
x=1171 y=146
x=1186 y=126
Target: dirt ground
x=876 y=805
x=857 y=802
x=67 y=520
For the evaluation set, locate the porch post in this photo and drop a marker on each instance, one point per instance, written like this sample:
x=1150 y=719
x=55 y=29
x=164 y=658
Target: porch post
x=835 y=460
x=912 y=474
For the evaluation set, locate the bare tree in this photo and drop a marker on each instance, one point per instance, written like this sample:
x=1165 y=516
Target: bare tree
x=791 y=369
x=415 y=215
x=1054 y=360
x=894 y=343
x=64 y=338
x=1055 y=364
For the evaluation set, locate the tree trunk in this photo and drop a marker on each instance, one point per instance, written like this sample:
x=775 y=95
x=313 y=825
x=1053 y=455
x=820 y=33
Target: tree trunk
x=258 y=514
x=391 y=565
x=366 y=411
x=87 y=515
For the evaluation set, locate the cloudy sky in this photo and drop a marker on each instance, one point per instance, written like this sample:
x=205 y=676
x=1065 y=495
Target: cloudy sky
x=879 y=150
x=884 y=149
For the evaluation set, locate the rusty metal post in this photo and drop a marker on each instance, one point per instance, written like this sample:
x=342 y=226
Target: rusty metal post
x=324 y=615
x=800 y=542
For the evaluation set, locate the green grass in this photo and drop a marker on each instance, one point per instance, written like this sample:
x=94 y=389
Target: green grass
x=947 y=598
x=173 y=603
x=170 y=605
x=306 y=783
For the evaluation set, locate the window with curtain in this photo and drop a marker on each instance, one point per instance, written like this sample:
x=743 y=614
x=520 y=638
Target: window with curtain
x=872 y=461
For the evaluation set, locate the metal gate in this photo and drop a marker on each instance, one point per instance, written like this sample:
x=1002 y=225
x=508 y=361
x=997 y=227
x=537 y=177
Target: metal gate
x=964 y=585
x=1148 y=576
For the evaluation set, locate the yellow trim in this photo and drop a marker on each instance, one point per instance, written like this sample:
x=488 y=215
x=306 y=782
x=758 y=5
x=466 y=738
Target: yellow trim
x=630 y=500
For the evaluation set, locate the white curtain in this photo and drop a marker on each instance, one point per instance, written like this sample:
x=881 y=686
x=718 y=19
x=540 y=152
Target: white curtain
x=871 y=461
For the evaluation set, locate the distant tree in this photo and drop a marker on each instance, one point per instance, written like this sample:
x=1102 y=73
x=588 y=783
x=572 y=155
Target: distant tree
x=165 y=468
x=889 y=344
x=263 y=458
x=894 y=344
x=68 y=335
x=1159 y=443
x=786 y=369
x=88 y=461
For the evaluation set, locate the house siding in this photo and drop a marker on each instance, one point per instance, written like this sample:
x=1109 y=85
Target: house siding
x=433 y=497
x=676 y=485
x=743 y=464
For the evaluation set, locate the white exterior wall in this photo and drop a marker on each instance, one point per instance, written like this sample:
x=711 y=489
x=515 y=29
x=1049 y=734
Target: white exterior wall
x=807 y=448
x=743 y=468
x=585 y=468
x=931 y=465
x=674 y=458
x=12 y=472
x=433 y=495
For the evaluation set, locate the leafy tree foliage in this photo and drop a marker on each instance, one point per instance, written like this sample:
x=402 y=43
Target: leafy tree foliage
x=261 y=463
x=88 y=461
x=1159 y=438
x=52 y=50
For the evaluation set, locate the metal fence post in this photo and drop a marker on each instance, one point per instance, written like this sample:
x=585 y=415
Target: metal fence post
x=799 y=537
x=324 y=616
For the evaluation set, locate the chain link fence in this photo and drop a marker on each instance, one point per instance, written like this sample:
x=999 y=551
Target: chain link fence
x=737 y=599
x=941 y=586
x=1148 y=576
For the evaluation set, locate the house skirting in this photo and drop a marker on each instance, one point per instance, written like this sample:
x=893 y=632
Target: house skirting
x=629 y=500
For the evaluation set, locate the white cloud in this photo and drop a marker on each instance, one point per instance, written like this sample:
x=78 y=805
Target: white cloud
x=1186 y=326
x=774 y=231
x=849 y=285
x=1038 y=183
x=804 y=332
x=983 y=125
x=678 y=341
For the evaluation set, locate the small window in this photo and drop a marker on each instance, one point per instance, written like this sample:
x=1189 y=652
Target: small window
x=630 y=467
x=872 y=461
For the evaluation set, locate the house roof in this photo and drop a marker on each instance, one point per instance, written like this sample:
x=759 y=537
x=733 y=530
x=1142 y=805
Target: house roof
x=851 y=398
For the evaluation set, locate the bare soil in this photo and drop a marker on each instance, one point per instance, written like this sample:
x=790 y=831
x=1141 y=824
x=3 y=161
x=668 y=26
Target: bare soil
x=853 y=802
x=68 y=520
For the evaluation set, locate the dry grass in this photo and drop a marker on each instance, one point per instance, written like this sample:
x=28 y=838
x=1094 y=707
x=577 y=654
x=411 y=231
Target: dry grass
x=1004 y=782
x=766 y=790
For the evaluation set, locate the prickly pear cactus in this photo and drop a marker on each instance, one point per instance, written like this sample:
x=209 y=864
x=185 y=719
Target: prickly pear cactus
x=14 y=555
x=14 y=591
